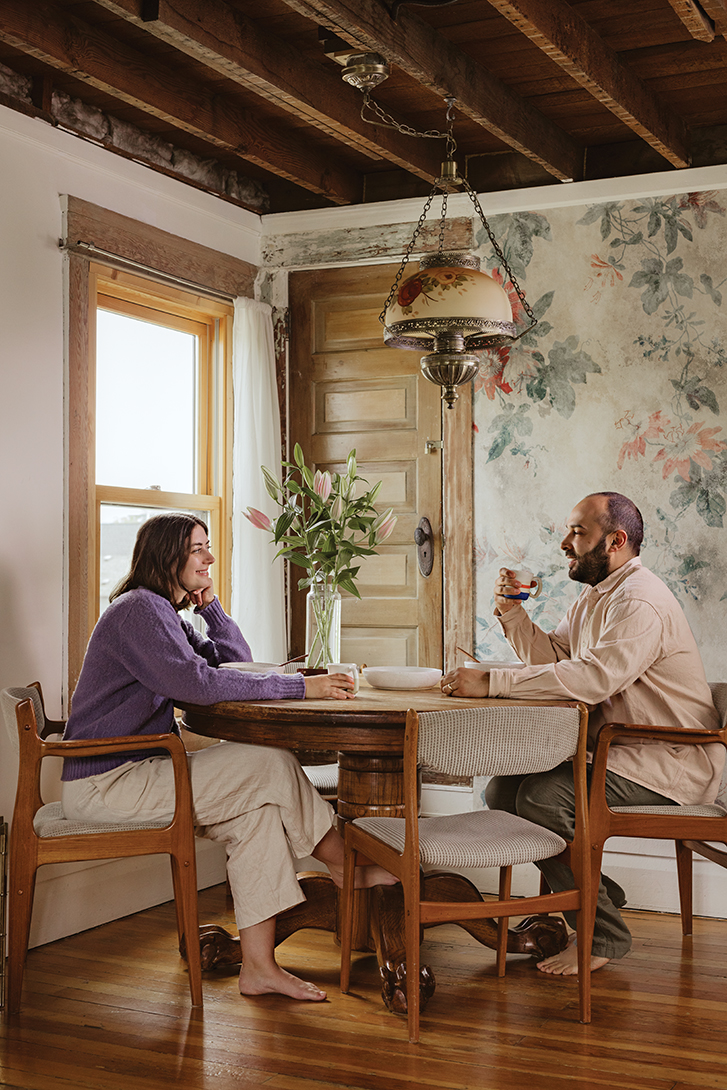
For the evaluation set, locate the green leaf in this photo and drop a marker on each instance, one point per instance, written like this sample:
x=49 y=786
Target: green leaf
x=298 y=456
x=711 y=506
x=503 y=440
x=654 y=222
x=298 y=559
x=715 y=296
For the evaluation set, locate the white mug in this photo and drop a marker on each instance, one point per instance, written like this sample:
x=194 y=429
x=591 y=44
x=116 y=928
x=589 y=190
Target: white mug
x=529 y=585
x=349 y=668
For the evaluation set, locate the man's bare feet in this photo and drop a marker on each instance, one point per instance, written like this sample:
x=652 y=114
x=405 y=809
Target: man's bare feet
x=566 y=962
x=280 y=982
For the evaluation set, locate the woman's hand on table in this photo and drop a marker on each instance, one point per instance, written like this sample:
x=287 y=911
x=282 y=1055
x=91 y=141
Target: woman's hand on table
x=464 y=682
x=328 y=687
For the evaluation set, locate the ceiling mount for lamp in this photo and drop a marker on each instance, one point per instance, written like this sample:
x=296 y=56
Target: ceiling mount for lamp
x=365 y=71
x=450 y=308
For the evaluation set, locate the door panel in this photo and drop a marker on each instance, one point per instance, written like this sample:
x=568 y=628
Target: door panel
x=348 y=391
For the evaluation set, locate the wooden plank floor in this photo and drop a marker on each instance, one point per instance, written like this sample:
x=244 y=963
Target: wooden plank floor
x=109 y=1010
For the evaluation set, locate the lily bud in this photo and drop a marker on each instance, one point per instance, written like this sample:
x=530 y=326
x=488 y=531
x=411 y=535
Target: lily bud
x=387 y=525
x=258 y=519
x=322 y=485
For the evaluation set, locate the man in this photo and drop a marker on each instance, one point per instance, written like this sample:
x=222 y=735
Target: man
x=625 y=648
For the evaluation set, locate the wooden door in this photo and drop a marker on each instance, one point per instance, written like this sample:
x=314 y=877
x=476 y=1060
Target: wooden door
x=348 y=391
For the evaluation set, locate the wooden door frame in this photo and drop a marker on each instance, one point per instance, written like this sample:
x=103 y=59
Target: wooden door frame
x=458 y=515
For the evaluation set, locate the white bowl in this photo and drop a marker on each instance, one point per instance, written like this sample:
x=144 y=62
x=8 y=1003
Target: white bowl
x=495 y=665
x=401 y=677
x=253 y=667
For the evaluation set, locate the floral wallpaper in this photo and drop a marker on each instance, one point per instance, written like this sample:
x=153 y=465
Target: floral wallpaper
x=621 y=385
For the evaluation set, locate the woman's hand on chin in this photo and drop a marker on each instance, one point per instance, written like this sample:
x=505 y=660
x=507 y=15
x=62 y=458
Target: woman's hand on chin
x=202 y=598
x=328 y=686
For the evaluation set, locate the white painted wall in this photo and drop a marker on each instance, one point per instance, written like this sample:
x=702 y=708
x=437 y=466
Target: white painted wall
x=37 y=165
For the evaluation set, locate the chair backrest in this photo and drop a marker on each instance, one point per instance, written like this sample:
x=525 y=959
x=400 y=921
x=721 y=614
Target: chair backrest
x=505 y=740
x=9 y=700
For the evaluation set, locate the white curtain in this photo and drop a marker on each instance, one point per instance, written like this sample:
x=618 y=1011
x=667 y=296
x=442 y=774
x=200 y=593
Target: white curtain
x=258 y=600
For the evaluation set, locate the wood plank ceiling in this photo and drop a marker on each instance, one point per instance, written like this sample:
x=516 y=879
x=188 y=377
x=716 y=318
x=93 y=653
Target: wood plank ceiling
x=245 y=99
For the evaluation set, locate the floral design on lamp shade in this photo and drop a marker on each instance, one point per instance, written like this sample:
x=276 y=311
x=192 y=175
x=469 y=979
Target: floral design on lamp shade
x=431 y=285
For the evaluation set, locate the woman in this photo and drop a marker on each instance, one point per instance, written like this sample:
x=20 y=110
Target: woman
x=257 y=801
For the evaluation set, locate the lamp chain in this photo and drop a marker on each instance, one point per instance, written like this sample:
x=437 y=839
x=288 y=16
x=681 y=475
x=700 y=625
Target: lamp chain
x=495 y=246
x=407 y=254
x=386 y=121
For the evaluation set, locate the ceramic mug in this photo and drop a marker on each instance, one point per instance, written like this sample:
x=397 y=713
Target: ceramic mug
x=349 y=668
x=529 y=585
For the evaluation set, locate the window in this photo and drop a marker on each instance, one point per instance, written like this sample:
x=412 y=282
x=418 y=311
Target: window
x=161 y=383
x=127 y=412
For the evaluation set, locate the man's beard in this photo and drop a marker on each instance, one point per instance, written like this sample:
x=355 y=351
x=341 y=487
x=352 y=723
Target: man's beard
x=592 y=567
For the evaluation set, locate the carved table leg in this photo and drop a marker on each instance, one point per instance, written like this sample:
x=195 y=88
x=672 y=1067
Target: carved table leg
x=387 y=924
x=540 y=936
x=320 y=909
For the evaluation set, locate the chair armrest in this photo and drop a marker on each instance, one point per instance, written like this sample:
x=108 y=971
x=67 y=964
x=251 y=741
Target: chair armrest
x=94 y=747
x=102 y=746
x=609 y=732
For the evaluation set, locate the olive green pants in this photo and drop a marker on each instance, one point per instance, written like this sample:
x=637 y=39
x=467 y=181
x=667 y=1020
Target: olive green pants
x=548 y=799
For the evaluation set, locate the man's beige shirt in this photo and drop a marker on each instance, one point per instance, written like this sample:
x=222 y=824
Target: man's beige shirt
x=625 y=646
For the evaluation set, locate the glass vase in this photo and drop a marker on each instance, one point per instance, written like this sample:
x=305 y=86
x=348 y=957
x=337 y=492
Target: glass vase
x=322 y=625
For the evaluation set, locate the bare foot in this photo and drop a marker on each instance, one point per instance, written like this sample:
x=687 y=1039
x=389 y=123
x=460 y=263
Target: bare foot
x=566 y=962
x=280 y=982
x=364 y=877
x=367 y=877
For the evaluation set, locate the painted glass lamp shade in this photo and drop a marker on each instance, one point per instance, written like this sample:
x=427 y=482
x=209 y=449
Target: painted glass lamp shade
x=450 y=309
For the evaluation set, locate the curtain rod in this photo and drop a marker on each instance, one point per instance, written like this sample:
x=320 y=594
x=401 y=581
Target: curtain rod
x=91 y=250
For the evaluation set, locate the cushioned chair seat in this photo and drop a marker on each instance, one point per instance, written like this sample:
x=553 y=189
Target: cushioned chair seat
x=49 y=821
x=459 y=840
x=323 y=777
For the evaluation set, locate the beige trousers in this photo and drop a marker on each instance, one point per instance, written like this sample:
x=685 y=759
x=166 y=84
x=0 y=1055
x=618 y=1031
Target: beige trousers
x=256 y=800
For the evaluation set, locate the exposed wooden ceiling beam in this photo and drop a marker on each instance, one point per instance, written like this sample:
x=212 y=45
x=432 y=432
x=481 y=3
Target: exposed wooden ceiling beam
x=70 y=45
x=225 y=40
x=692 y=14
x=565 y=36
x=717 y=12
x=442 y=67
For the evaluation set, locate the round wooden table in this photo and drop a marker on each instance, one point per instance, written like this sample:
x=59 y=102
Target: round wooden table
x=367 y=734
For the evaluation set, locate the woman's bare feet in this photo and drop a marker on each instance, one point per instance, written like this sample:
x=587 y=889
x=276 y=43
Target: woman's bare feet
x=280 y=982
x=329 y=850
x=566 y=962
x=260 y=974
x=364 y=877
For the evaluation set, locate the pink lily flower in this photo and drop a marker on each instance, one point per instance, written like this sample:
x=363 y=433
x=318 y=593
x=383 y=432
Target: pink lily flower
x=258 y=519
x=322 y=485
x=387 y=525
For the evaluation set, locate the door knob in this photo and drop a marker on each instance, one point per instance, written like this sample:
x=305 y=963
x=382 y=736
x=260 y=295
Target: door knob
x=424 y=542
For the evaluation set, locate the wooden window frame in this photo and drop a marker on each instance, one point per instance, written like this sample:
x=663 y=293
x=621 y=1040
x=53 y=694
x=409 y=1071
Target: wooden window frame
x=162 y=255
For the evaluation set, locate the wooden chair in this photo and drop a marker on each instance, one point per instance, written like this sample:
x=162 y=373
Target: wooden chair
x=690 y=827
x=40 y=834
x=505 y=740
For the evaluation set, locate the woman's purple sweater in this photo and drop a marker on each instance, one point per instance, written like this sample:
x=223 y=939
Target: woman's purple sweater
x=141 y=658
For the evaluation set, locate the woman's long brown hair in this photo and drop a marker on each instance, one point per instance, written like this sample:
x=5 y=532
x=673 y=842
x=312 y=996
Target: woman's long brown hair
x=160 y=552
